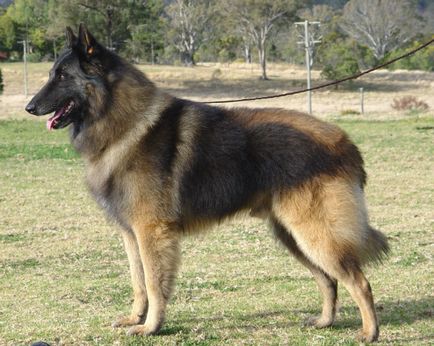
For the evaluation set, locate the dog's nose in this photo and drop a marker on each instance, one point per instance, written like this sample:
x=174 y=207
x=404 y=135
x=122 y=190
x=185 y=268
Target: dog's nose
x=31 y=108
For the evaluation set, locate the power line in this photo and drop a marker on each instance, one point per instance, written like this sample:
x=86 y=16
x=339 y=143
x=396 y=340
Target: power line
x=325 y=85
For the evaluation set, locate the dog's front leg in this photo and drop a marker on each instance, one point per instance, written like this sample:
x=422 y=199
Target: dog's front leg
x=140 y=304
x=159 y=250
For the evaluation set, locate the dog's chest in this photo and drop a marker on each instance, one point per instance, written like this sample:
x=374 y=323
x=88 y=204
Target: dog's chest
x=107 y=191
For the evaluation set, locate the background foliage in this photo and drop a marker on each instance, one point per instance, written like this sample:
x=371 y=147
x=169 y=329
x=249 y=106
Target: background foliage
x=188 y=31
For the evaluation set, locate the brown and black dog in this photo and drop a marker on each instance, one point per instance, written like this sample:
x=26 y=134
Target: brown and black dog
x=162 y=167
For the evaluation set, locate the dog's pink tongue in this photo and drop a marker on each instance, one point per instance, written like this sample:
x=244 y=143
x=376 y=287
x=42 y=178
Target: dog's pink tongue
x=53 y=120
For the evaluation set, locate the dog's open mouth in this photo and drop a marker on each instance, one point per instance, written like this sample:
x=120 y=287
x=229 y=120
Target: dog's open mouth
x=61 y=116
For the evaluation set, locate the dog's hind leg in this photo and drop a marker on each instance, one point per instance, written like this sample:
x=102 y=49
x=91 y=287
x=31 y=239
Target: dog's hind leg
x=159 y=251
x=328 y=221
x=140 y=303
x=326 y=284
x=356 y=283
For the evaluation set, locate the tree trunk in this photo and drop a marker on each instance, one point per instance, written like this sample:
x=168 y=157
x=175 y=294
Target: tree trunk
x=263 y=59
x=55 y=49
x=247 y=54
x=109 y=12
x=188 y=59
x=152 y=52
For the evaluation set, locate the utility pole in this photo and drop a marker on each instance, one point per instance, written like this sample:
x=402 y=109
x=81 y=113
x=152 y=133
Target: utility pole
x=308 y=41
x=24 y=43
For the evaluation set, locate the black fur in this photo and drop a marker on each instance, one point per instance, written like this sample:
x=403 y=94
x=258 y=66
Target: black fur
x=162 y=139
x=234 y=162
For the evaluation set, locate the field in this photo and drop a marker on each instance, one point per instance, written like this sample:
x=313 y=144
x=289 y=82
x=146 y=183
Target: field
x=216 y=82
x=64 y=274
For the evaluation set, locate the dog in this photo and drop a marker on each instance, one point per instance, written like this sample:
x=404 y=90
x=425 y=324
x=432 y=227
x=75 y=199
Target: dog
x=162 y=167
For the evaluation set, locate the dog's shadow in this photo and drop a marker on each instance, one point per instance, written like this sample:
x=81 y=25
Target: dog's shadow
x=200 y=324
x=390 y=312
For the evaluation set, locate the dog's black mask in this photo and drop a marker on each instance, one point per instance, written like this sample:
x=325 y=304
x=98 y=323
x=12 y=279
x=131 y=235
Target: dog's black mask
x=73 y=73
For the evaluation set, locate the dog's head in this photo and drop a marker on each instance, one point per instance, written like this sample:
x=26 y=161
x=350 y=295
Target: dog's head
x=76 y=74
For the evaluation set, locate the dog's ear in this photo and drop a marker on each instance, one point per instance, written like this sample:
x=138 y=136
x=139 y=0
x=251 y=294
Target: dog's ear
x=87 y=42
x=71 y=39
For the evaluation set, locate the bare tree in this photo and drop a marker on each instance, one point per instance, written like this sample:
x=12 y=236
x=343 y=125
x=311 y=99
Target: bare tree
x=381 y=25
x=247 y=43
x=258 y=20
x=189 y=20
x=321 y=13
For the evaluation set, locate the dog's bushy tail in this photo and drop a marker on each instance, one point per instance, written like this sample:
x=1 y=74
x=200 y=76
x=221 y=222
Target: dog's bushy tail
x=376 y=247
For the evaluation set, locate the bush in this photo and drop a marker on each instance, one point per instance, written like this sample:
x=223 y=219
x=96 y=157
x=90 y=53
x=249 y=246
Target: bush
x=338 y=60
x=349 y=112
x=1 y=82
x=34 y=57
x=409 y=103
x=224 y=56
x=422 y=60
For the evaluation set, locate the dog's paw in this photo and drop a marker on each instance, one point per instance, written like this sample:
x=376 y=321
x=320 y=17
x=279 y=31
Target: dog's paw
x=318 y=322
x=126 y=321
x=142 y=329
x=368 y=337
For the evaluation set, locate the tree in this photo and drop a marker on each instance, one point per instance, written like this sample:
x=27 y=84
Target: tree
x=259 y=19
x=222 y=42
x=423 y=60
x=382 y=25
x=107 y=20
x=7 y=32
x=1 y=82
x=133 y=27
x=146 y=29
x=427 y=13
x=189 y=23
x=105 y=10
x=336 y=55
x=30 y=18
x=322 y=13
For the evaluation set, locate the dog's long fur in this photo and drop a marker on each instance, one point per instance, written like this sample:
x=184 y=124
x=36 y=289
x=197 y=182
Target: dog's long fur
x=162 y=166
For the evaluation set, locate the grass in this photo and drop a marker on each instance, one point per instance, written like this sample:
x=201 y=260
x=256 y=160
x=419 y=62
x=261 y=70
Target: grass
x=64 y=275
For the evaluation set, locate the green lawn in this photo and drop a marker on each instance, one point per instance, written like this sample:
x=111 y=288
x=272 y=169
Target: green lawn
x=64 y=275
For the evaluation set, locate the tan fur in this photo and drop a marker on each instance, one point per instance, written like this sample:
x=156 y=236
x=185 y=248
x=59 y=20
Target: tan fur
x=328 y=220
x=159 y=251
x=326 y=214
x=140 y=304
x=322 y=132
x=326 y=284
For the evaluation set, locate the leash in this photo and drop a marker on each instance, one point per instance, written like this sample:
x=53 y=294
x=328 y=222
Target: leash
x=325 y=84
